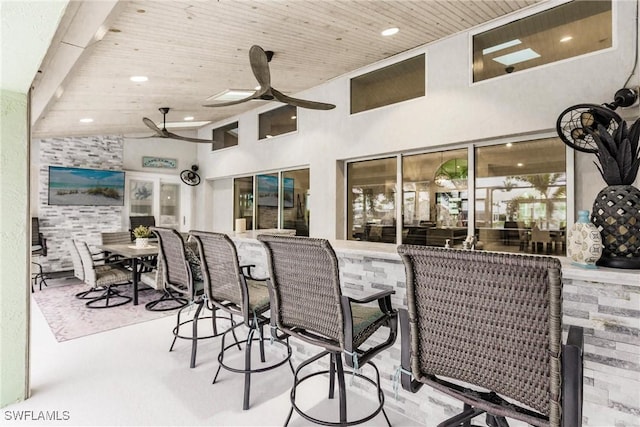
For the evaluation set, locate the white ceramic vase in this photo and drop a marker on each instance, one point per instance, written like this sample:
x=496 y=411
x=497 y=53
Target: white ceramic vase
x=584 y=243
x=142 y=242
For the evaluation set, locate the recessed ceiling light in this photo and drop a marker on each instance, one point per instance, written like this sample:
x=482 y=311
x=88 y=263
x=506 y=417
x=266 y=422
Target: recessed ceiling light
x=390 y=31
x=517 y=57
x=501 y=46
x=566 y=39
x=86 y=120
x=269 y=136
x=188 y=118
x=231 y=95
x=520 y=165
x=139 y=79
x=509 y=145
x=294 y=117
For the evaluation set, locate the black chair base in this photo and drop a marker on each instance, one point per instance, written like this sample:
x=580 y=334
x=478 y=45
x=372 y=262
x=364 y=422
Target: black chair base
x=167 y=302
x=39 y=278
x=193 y=337
x=468 y=414
x=336 y=368
x=107 y=296
x=248 y=370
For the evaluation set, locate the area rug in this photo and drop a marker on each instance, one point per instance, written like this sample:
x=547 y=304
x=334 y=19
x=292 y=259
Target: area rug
x=69 y=317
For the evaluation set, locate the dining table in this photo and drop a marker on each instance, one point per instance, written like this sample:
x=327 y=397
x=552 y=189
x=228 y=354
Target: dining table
x=136 y=254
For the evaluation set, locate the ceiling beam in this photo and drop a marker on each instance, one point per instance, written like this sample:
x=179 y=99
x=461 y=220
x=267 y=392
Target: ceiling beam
x=83 y=25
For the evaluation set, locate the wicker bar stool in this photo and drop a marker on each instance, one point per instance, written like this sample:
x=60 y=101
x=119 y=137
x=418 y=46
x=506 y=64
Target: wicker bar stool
x=307 y=303
x=239 y=294
x=178 y=280
x=494 y=322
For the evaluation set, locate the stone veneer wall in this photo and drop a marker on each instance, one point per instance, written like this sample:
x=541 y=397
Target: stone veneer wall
x=609 y=312
x=60 y=223
x=610 y=315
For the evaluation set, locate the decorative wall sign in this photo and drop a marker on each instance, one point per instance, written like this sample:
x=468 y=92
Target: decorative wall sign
x=159 y=162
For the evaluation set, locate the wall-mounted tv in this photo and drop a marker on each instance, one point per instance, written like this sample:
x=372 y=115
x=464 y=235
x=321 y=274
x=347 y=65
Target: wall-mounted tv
x=268 y=191
x=85 y=187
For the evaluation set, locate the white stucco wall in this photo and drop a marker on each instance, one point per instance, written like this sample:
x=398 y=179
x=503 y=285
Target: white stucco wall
x=14 y=246
x=26 y=31
x=453 y=111
x=184 y=152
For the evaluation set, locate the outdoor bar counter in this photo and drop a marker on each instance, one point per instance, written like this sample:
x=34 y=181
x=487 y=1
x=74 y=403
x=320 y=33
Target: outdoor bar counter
x=604 y=301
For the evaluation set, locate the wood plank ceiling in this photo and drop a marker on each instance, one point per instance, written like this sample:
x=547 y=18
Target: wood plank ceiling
x=191 y=50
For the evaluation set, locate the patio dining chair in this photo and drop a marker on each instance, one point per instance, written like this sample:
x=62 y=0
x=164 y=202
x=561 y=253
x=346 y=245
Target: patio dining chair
x=102 y=279
x=308 y=304
x=38 y=248
x=231 y=288
x=486 y=329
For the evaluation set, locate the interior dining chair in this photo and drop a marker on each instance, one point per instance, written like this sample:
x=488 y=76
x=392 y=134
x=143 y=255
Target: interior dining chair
x=231 y=288
x=307 y=303
x=136 y=221
x=486 y=329
x=102 y=278
x=179 y=284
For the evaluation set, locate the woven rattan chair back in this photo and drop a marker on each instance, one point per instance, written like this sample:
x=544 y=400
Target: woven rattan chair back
x=116 y=238
x=220 y=268
x=304 y=275
x=90 y=276
x=176 y=274
x=78 y=270
x=488 y=319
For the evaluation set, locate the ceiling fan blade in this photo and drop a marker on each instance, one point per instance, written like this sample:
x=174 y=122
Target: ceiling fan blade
x=260 y=66
x=302 y=103
x=151 y=125
x=143 y=137
x=255 y=95
x=186 y=138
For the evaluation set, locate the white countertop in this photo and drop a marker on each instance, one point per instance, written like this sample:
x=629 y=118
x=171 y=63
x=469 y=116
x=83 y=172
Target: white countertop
x=389 y=251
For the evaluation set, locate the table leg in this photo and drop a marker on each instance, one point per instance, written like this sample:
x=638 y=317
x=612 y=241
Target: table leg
x=135 y=281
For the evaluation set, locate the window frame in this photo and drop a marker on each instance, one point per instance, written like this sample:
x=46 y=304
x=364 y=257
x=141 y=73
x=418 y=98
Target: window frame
x=254 y=177
x=530 y=11
x=471 y=180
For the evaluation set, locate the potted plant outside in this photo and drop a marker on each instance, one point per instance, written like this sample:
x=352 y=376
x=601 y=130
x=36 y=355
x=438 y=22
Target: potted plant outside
x=142 y=234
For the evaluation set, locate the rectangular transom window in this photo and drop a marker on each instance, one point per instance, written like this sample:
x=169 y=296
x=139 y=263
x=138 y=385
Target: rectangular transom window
x=225 y=136
x=559 y=33
x=278 y=121
x=398 y=82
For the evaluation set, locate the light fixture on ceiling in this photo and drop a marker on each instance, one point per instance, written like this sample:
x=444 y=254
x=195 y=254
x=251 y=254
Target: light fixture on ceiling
x=139 y=79
x=86 y=120
x=231 y=95
x=294 y=117
x=566 y=39
x=390 y=31
x=517 y=57
x=188 y=118
x=452 y=174
x=509 y=145
x=520 y=165
x=501 y=46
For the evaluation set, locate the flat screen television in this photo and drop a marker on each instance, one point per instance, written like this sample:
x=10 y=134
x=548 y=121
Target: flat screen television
x=268 y=191
x=85 y=187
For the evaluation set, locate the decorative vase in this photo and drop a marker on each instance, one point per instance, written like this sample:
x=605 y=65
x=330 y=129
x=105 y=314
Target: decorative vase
x=584 y=244
x=616 y=213
x=142 y=242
